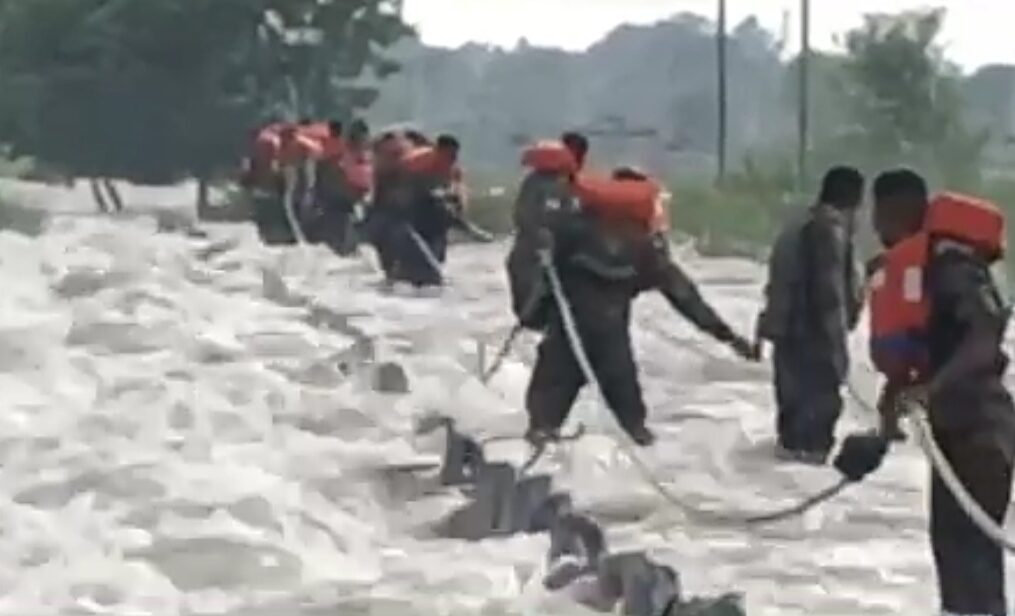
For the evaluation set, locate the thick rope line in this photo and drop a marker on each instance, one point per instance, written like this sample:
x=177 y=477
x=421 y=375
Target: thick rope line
x=918 y=417
x=930 y=447
x=289 y=205
x=624 y=442
x=502 y=354
x=431 y=260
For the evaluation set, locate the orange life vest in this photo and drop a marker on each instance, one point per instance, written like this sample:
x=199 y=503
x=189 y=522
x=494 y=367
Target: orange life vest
x=265 y=150
x=318 y=131
x=550 y=157
x=332 y=148
x=636 y=201
x=299 y=148
x=430 y=161
x=899 y=305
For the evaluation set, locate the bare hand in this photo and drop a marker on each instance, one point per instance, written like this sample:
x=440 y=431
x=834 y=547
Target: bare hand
x=744 y=348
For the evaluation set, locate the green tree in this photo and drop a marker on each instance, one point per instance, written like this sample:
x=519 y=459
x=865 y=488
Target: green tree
x=160 y=90
x=904 y=98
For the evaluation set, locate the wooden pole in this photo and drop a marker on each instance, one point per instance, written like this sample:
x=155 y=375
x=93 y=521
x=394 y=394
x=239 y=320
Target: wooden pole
x=722 y=94
x=804 y=103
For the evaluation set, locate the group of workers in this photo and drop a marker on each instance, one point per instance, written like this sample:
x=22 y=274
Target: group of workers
x=937 y=321
x=401 y=192
x=937 y=317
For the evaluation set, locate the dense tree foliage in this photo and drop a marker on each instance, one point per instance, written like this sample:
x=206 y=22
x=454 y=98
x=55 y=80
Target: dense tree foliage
x=905 y=98
x=159 y=90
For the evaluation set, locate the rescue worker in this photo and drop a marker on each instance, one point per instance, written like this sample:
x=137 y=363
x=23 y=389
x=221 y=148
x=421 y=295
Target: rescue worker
x=357 y=170
x=262 y=182
x=813 y=300
x=937 y=326
x=545 y=195
x=298 y=153
x=383 y=225
x=606 y=255
x=323 y=219
x=342 y=182
x=423 y=220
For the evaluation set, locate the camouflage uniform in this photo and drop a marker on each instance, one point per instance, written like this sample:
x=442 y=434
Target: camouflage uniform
x=602 y=270
x=813 y=301
x=972 y=417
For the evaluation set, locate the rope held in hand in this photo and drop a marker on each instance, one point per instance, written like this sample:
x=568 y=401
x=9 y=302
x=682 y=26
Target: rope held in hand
x=629 y=448
x=979 y=517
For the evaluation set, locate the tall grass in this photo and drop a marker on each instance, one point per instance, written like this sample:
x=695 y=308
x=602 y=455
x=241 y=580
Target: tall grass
x=743 y=216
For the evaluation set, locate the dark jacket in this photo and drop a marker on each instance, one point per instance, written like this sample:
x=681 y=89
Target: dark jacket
x=967 y=324
x=814 y=296
x=609 y=266
x=544 y=204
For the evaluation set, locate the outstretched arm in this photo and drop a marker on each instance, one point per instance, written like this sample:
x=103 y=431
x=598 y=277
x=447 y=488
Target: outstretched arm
x=684 y=296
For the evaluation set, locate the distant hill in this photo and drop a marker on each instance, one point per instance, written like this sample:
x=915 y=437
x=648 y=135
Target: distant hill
x=647 y=94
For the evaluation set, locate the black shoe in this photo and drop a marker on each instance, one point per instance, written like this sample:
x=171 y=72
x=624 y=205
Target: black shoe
x=537 y=437
x=642 y=436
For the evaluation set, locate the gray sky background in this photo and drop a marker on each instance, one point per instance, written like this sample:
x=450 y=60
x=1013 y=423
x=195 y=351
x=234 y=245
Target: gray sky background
x=977 y=32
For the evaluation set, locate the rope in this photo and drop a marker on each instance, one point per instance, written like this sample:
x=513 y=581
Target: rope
x=288 y=199
x=427 y=253
x=918 y=417
x=502 y=354
x=624 y=442
x=930 y=447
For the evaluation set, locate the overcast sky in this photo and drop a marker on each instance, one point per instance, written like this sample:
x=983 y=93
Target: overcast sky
x=977 y=32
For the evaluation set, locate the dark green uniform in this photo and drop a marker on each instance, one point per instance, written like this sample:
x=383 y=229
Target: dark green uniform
x=812 y=302
x=602 y=271
x=973 y=420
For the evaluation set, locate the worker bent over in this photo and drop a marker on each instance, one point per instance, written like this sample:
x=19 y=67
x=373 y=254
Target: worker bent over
x=937 y=324
x=607 y=254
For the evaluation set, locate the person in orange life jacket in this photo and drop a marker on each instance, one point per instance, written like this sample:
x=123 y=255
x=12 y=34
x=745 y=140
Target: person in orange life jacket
x=546 y=196
x=433 y=174
x=258 y=165
x=812 y=302
x=298 y=153
x=937 y=325
x=336 y=196
x=357 y=173
x=383 y=226
x=357 y=163
x=606 y=255
x=263 y=180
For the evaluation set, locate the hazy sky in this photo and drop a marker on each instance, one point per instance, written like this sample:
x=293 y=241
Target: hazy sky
x=977 y=31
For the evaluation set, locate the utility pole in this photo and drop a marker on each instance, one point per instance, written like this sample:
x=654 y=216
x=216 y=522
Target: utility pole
x=723 y=110
x=804 y=109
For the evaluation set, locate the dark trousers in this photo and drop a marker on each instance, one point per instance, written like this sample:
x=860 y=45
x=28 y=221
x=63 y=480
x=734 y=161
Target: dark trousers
x=557 y=378
x=970 y=566
x=336 y=229
x=384 y=230
x=269 y=217
x=420 y=257
x=808 y=396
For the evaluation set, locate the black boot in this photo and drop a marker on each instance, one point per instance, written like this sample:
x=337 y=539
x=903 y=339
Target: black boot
x=642 y=436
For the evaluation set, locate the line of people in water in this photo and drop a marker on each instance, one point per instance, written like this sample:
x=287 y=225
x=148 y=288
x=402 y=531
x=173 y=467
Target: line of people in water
x=937 y=321
x=937 y=315
x=402 y=192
